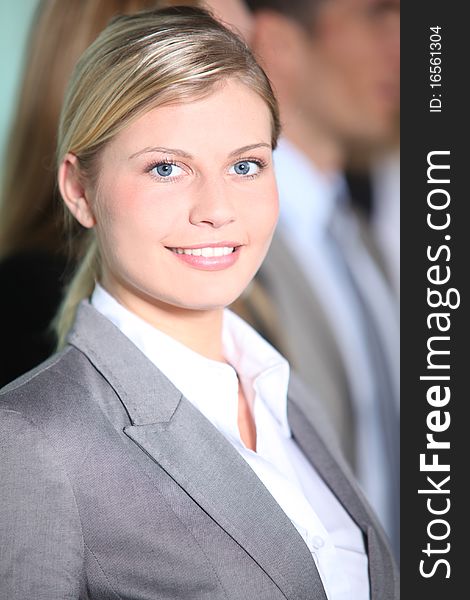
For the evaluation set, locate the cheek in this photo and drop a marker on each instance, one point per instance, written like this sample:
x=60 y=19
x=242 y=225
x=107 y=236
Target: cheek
x=348 y=51
x=262 y=213
x=131 y=217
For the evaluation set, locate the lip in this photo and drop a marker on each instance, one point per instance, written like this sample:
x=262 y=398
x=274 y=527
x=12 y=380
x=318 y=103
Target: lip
x=208 y=245
x=209 y=263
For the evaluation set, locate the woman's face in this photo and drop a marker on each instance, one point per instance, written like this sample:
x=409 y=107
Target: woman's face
x=186 y=202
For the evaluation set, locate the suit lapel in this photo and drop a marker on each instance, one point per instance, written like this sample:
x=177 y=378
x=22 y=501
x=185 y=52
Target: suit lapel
x=212 y=472
x=315 y=450
x=190 y=449
x=306 y=421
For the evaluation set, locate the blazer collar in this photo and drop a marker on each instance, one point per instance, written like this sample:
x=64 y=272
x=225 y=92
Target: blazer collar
x=147 y=395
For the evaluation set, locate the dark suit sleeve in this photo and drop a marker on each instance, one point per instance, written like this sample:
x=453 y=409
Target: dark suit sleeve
x=41 y=544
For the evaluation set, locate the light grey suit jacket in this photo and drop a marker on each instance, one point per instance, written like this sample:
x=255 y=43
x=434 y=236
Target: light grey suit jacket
x=114 y=486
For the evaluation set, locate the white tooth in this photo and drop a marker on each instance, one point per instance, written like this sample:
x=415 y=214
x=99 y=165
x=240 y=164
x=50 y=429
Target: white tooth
x=218 y=251
x=197 y=252
x=179 y=250
x=187 y=251
x=227 y=250
x=207 y=252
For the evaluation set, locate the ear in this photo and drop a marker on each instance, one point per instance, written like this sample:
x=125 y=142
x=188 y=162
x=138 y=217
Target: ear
x=73 y=191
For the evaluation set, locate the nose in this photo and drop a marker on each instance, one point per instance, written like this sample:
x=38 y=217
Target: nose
x=214 y=205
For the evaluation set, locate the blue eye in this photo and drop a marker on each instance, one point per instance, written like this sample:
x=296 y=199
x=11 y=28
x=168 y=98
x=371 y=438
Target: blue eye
x=246 y=167
x=165 y=170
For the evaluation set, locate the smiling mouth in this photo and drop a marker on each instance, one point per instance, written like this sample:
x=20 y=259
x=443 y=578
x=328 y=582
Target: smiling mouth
x=206 y=251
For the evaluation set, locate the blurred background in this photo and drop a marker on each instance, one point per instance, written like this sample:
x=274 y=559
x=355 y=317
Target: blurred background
x=327 y=295
x=15 y=21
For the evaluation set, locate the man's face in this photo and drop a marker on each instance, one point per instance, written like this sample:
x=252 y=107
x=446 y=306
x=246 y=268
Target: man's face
x=353 y=54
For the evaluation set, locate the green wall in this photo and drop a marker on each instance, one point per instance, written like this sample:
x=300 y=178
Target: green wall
x=15 y=21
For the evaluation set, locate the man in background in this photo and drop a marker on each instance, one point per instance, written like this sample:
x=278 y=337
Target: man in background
x=334 y=65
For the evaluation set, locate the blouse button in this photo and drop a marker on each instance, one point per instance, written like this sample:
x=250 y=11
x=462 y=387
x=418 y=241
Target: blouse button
x=317 y=541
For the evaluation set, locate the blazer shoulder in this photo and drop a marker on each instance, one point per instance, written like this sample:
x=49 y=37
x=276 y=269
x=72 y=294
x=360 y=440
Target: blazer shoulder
x=66 y=376
x=39 y=511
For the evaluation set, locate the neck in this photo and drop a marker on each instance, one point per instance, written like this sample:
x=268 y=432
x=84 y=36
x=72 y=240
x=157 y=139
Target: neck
x=199 y=330
x=314 y=140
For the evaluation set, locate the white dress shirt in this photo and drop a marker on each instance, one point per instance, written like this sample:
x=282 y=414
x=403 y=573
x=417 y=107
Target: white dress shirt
x=334 y=540
x=308 y=201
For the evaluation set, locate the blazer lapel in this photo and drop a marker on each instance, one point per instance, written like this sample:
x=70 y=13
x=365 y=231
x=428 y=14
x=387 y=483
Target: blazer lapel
x=305 y=420
x=191 y=450
x=327 y=466
x=211 y=471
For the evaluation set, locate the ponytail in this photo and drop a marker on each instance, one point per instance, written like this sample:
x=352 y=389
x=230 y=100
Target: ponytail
x=80 y=287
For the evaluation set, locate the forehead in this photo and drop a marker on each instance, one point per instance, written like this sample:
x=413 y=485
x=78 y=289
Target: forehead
x=228 y=116
x=359 y=7
x=363 y=5
x=344 y=22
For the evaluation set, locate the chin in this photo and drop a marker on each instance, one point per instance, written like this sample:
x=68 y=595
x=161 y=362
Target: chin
x=381 y=123
x=216 y=294
x=217 y=297
x=209 y=302
x=374 y=132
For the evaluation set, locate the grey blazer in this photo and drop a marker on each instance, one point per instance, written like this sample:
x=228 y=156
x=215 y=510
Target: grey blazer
x=112 y=485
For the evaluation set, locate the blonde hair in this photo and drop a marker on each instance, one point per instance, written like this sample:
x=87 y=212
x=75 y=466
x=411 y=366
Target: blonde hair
x=30 y=215
x=139 y=62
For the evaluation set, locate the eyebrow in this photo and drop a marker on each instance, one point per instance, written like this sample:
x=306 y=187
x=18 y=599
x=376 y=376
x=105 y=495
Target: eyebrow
x=249 y=147
x=178 y=152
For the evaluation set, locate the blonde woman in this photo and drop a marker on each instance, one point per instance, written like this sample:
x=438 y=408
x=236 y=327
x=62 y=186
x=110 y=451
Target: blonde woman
x=166 y=452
